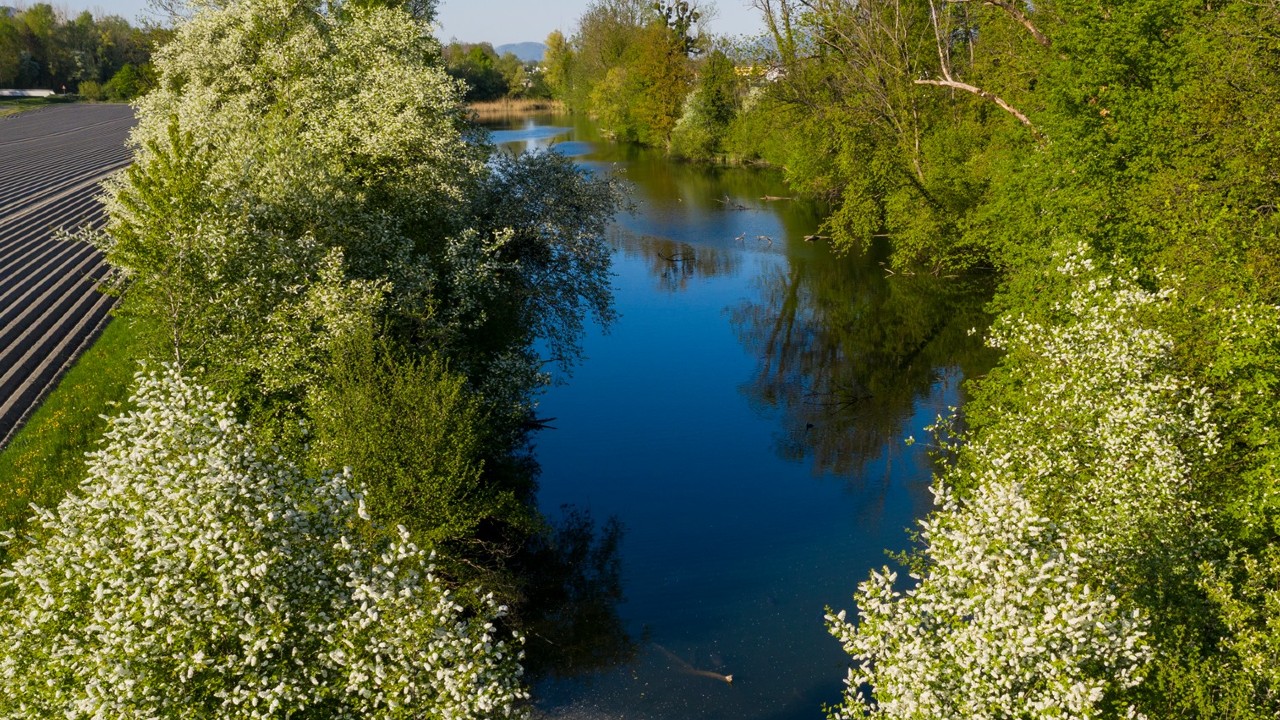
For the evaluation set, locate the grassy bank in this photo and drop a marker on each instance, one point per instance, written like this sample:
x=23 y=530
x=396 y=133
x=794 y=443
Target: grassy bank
x=46 y=459
x=13 y=106
x=515 y=106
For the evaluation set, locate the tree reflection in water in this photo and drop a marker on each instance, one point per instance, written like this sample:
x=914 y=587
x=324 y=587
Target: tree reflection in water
x=573 y=585
x=847 y=352
x=675 y=263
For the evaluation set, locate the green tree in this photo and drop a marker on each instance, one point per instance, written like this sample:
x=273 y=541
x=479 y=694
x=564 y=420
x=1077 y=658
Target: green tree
x=478 y=67
x=193 y=577
x=303 y=177
x=128 y=83
x=662 y=78
x=682 y=18
x=10 y=51
x=514 y=76
x=708 y=110
x=558 y=65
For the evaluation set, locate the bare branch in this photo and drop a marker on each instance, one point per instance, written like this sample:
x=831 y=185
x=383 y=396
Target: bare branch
x=947 y=80
x=983 y=94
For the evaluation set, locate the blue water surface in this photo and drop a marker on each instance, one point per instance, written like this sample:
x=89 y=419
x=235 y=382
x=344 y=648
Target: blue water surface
x=745 y=420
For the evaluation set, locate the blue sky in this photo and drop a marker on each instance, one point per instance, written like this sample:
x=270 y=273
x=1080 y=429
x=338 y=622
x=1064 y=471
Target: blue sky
x=495 y=21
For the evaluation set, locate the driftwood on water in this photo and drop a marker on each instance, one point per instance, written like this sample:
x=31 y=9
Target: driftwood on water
x=691 y=670
x=730 y=204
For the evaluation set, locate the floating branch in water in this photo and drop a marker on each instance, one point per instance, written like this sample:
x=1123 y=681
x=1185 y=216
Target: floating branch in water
x=691 y=670
x=730 y=204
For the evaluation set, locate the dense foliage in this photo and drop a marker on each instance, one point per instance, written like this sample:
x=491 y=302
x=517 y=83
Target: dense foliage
x=490 y=76
x=99 y=58
x=313 y=231
x=1115 y=164
x=194 y=576
x=307 y=177
x=632 y=64
x=1080 y=506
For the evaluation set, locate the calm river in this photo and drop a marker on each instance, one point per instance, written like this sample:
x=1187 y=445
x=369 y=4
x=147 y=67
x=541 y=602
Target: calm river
x=744 y=425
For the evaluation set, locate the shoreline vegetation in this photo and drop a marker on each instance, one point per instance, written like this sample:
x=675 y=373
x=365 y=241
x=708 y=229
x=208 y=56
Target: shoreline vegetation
x=334 y=412
x=1106 y=535
x=514 y=107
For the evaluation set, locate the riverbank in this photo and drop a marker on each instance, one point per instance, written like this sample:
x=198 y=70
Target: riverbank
x=14 y=105
x=512 y=107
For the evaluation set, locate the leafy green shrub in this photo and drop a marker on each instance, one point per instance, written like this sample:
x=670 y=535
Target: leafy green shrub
x=90 y=90
x=128 y=83
x=193 y=577
x=419 y=436
x=1068 y=532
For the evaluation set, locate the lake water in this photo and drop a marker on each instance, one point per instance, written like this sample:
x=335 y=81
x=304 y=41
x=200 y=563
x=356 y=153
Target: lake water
x=744 y=422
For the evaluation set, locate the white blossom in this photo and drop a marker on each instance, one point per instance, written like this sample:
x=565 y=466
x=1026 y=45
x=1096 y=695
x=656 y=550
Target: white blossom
x=1084 y=473
x=191 y=576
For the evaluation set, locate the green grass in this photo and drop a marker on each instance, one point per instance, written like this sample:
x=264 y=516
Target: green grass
x=45 y=459
x=13 y=106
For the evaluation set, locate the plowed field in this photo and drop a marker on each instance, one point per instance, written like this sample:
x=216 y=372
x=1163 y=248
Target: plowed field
x=51 y=162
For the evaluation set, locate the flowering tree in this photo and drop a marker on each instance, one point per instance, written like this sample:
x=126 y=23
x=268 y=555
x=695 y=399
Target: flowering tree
x=1078 y=494
x=193 y=577
x=296 y=143
x=305 y=181
x=1002 y=625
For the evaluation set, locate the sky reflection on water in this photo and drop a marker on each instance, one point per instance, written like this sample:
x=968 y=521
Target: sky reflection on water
x=744 y=421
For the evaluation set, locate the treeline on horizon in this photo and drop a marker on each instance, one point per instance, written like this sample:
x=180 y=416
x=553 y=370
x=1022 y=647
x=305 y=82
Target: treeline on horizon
x=1106 y=540
x=490 y=76
x=98 y=58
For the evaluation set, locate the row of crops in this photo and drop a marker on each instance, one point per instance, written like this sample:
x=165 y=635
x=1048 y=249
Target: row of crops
x=51 y=162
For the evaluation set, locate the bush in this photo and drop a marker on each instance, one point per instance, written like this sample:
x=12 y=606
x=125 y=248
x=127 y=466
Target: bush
x=194 y=578
x=90 y=90
x=128 y=83
x=1069 y=531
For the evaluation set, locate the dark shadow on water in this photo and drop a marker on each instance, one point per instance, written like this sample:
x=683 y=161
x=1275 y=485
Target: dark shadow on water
x=573 y=585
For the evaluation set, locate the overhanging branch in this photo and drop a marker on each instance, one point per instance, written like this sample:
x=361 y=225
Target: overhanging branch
x=983 y=94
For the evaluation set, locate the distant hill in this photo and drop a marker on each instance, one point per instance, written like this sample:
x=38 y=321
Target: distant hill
x=526 y=51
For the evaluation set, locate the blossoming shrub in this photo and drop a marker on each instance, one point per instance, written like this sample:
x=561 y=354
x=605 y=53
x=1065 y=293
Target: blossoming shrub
x=193 y=577
x=1091 y=412
x=295 y=143
x=1000 y=626
x=1070 y=516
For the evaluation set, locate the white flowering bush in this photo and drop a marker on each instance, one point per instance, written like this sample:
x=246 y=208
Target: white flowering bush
x=1001 y=626
x=1100 y=425
x=1077 y=497
x=192 y=577
x=285 y=133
